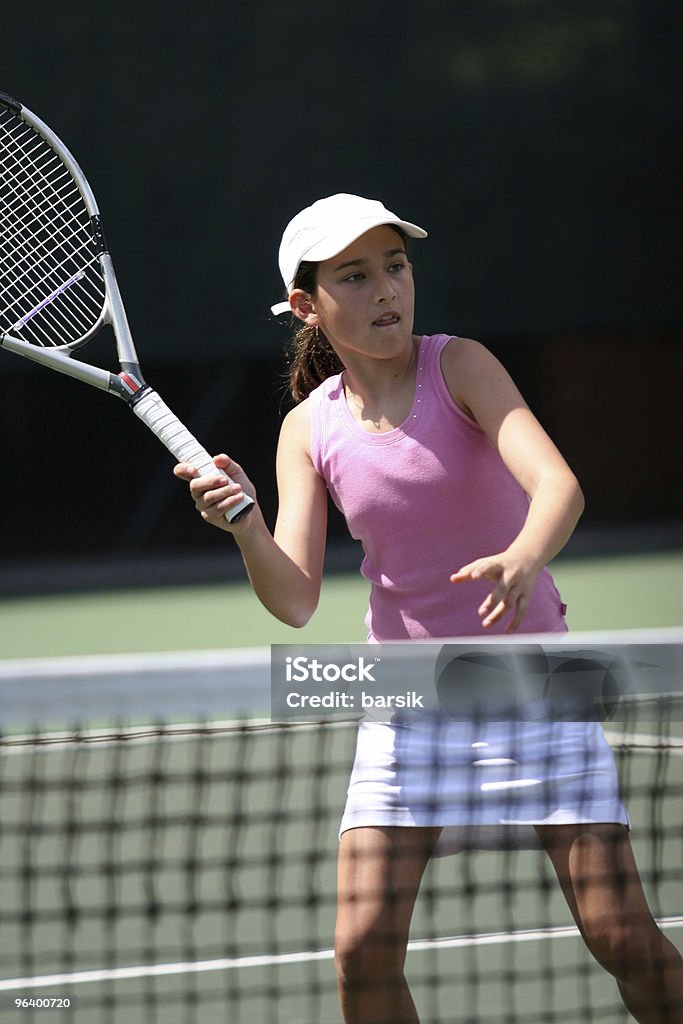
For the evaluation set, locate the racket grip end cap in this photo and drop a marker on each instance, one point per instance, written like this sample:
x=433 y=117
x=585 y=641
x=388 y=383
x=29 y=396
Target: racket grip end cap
x=240 y=511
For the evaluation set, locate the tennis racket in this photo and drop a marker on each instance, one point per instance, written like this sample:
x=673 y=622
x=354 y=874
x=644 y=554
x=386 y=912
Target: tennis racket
x=57 y=286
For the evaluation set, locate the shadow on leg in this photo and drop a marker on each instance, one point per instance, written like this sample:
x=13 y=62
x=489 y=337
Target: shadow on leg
x=599 y=877
x=380 y=870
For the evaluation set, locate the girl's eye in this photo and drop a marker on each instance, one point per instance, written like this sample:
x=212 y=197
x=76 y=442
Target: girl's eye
x=359 y=275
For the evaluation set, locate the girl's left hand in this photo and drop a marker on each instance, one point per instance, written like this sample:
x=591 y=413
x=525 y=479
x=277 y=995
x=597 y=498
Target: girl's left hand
x=515 y=580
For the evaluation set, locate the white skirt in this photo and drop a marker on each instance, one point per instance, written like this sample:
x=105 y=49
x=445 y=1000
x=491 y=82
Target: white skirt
x=486 y=784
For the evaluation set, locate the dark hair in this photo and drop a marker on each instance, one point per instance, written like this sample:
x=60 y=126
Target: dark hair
x=311 y=358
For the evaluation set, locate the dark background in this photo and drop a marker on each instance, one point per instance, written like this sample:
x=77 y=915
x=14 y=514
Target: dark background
x=538 y=142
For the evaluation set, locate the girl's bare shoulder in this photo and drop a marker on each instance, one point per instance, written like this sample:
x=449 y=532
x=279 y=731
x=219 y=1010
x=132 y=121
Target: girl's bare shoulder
x=469 y=369
x=295 y=432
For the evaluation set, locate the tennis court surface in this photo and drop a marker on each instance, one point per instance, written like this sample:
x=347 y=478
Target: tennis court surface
x=169 y=854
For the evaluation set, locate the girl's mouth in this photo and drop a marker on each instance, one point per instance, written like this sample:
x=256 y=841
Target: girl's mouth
x=386 y=320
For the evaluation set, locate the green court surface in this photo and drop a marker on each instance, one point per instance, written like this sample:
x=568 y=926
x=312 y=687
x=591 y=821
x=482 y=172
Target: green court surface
x=602 y=593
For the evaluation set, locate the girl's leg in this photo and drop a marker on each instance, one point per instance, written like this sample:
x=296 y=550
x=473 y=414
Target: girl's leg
x=599 y=877
x=380 y=870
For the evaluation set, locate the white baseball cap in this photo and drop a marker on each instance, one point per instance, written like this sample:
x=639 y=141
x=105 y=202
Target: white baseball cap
x=326 y=228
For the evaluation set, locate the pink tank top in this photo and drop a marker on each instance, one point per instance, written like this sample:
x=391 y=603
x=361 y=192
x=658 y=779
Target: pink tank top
x=424 y=499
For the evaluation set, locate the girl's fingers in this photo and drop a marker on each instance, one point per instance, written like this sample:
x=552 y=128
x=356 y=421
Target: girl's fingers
x=507 y=597
x=217 y=491
x=492 y=617
x=498 y=603
x=483 y=568
x=211 y=491
x=519 y=615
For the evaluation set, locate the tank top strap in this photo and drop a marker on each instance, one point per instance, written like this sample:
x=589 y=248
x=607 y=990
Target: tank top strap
x=318 y=401
x=431 y=362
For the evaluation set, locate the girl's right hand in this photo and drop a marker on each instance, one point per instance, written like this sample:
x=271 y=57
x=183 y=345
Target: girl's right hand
x=213 y=495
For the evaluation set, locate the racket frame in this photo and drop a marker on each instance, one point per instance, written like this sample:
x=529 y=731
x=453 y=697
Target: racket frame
x=129 y=384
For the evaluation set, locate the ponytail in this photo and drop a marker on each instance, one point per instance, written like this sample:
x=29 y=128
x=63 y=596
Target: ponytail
x=311 y=357
x=312 y=360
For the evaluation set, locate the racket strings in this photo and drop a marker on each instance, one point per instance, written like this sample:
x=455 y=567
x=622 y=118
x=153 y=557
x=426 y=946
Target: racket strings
x=52 y=291
x=40 y=189
x=26 y=209
x=37 y=265
x=25 y=232
x=30 y=289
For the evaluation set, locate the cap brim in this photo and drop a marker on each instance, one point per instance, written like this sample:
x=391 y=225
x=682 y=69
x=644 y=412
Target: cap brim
x=280 y=307
x=331 y=246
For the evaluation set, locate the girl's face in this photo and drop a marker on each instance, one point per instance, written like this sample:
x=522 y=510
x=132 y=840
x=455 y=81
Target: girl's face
x=364 y=301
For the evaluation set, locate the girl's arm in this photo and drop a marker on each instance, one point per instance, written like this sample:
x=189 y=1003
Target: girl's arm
x=483 y=389
x=285 y=570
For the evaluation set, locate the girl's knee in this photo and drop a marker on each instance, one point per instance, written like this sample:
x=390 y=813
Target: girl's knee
x=371 y=953
x=627 y=949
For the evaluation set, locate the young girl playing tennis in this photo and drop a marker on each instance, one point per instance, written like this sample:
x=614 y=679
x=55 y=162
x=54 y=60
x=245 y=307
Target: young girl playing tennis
x=460 y=500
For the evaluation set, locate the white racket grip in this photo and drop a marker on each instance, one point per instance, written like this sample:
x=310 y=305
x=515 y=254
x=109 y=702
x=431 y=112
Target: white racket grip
x=155 y=414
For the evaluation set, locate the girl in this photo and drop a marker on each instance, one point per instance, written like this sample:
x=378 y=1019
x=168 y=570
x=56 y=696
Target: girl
x=460 y=500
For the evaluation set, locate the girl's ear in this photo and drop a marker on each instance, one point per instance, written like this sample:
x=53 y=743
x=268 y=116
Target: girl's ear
x=301 y=305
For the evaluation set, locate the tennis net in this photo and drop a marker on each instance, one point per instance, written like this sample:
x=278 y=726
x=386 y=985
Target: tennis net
x=169 y=871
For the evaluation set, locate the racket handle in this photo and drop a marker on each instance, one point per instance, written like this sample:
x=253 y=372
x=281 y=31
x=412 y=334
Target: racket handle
x=155 y=414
